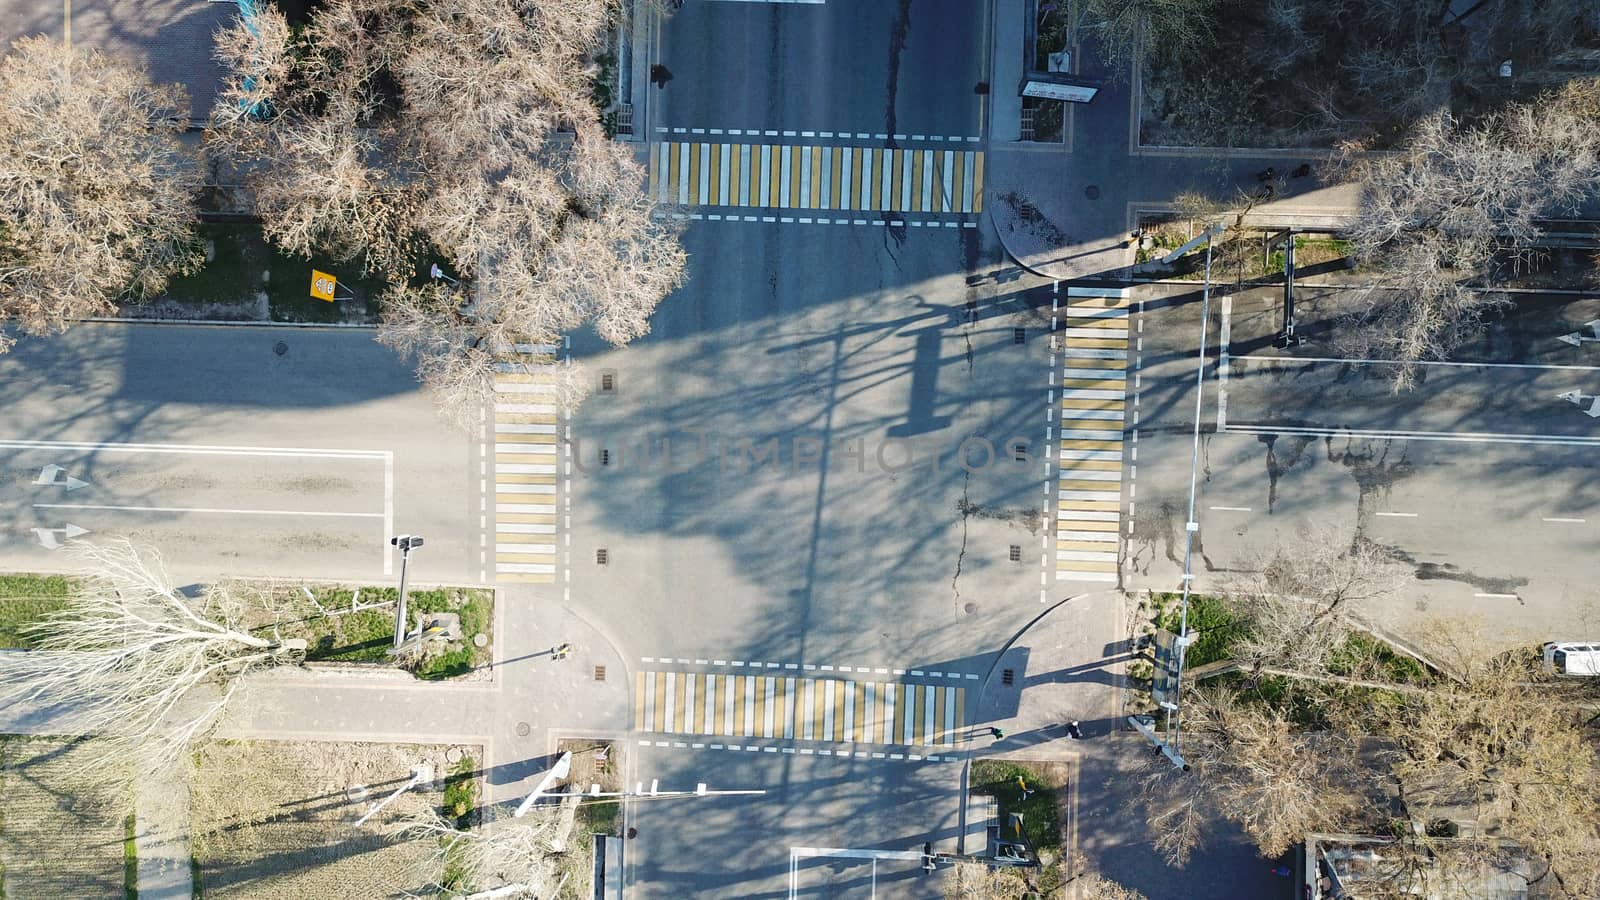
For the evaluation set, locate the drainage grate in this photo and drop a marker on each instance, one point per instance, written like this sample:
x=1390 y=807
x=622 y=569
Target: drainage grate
x=1016 y=553
x=625 y=118
x=1019 y=335
x=1008 y=677
x=605 y=457
x=1020 y=451
x=602 y=556
x=608 y=382
x=599 y=673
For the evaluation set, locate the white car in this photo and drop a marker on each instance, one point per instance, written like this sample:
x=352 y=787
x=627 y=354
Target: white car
x=1572 y=657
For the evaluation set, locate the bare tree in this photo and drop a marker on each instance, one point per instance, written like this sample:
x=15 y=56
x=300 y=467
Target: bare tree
x=1493 y=742
x=137 y=663
x=387 y=130
x=1126 y=28
x=1300 y=599
x=1099 y=887
x=97 y=197
x=1437 y=217
x=977 y=881
x=505 y=859
x=1250 y=765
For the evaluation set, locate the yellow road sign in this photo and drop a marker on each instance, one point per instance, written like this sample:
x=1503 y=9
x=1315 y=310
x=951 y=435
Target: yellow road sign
x=323 y=285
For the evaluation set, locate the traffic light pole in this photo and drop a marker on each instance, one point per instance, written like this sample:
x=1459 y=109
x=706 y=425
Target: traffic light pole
x=406 y=543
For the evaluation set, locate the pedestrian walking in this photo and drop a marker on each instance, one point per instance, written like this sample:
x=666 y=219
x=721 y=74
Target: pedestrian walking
x=561 y=652
x=1073 y=732
x=1302 y=171
x=997 y=733
x=1267 y=174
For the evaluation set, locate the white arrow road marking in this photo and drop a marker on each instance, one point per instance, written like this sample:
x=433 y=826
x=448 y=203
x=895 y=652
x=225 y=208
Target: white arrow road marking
x=47 y=475
x=47 y=536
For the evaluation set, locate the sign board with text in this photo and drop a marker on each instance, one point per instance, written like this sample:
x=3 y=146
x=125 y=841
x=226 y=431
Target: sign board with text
x=323 y=285
x=1055 y=90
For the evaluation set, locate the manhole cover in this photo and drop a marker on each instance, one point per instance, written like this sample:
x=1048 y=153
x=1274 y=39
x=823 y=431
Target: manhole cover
x=280 y=348
x=971 y=608
x=1092 y=192
x=522 y=729
x=480 y=640
x=356 y=793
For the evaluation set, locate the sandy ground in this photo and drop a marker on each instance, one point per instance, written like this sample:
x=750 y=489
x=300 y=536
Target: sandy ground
x=274 y=819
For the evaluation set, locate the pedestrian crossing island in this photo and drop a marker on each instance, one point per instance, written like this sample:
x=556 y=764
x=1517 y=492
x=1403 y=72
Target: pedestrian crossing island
x=802 y=709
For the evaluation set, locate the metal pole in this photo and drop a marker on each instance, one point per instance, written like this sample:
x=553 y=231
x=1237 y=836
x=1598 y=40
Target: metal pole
x=400 y=608
x=1191 y=526
x=418 y=774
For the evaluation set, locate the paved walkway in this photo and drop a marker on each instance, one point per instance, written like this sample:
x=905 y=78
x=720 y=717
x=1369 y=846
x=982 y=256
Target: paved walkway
x=1067 y=210
x=1068 y=665
x=508 y=716
x=161 y=838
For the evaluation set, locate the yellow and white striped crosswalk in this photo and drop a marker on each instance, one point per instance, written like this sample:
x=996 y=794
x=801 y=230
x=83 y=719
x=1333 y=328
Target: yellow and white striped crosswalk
x=1093 y=407
x=525 y=465
x=782 y=176
x=797 y=708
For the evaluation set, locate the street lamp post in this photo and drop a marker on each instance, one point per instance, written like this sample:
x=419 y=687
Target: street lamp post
x=406 y=543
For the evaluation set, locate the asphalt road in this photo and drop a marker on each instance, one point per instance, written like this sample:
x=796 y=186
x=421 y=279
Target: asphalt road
x=1480 y=482
x=908 y=68
x=860 y=356
x=227 y=456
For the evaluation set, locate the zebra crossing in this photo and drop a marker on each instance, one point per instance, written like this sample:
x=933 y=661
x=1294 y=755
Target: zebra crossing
x=783 y=176
x=525 y=465
x=799 y=708
x=1093 y=407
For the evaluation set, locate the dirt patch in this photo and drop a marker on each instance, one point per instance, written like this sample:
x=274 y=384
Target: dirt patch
x=594 y=762
x=57 y=838
x=275 y=819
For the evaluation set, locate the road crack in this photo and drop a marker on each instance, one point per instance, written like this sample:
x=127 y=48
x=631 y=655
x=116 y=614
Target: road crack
x=966 y=509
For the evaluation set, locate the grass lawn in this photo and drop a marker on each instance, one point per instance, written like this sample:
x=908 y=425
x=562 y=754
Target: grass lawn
x=366 y=636
x=1041 y=814
x=130 y=860
x=234 y=276
x=25 y=599
x=1218 y=626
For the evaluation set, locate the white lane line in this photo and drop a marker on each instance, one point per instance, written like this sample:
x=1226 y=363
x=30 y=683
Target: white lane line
x=1231 y=508
x=388 y=501
x=1564 y=520
x=1398 y=515
x=203 y=509
x=1498 y=596
x=1463 y=438
x=1427 y=362
x=202 y=449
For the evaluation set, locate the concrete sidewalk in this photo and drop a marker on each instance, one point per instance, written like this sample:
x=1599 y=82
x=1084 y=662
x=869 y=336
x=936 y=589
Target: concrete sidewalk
x=1068 y=210
x=1068 y=665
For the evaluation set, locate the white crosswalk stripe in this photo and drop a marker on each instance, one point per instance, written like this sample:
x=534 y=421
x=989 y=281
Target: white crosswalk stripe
x=1091 y=414
x=817 y=177
x=525 y=465
x=792 y=707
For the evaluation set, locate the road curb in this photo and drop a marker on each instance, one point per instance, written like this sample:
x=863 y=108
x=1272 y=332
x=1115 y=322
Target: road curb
x=231 y=323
